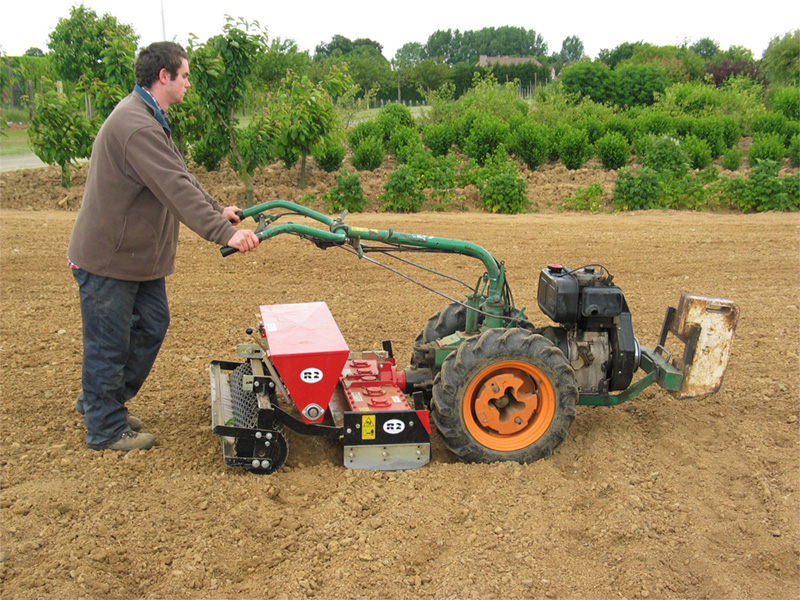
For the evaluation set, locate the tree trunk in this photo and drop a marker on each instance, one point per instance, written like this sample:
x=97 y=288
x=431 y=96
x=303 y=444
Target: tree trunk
x=66 y=175
x=301 y=183
x=247 y=179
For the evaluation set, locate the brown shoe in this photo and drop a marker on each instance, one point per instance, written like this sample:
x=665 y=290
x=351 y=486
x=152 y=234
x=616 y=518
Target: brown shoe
x=131 y=440
x=133 y=422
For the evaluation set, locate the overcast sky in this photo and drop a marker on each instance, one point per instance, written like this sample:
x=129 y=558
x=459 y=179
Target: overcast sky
x=598 y=23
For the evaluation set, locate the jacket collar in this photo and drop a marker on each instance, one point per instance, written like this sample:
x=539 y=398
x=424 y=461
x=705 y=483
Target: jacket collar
x=159 y=114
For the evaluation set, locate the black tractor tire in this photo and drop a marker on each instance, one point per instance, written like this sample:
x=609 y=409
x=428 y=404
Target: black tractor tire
x=447 y=321
x=504 y=395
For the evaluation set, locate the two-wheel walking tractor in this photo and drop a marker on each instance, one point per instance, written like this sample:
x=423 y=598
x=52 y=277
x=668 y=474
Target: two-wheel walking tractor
x=494 y=385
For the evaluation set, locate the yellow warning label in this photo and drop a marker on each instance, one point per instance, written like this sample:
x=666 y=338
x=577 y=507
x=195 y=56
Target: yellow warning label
x=367 y=427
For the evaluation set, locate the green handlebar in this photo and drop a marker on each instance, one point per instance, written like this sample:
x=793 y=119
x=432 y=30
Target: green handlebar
x=340 y=233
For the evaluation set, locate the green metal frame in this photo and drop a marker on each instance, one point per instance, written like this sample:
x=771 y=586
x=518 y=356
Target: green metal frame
x=491 y=285
x=658 y=371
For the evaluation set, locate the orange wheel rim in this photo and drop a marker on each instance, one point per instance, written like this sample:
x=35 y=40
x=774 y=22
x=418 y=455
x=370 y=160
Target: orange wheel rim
x=508 y=406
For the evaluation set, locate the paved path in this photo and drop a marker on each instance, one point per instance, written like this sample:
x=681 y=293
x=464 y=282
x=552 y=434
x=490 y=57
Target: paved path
x=20 y=161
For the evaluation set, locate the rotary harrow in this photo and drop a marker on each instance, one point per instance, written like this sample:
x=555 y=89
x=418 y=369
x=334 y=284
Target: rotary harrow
x=494 y=385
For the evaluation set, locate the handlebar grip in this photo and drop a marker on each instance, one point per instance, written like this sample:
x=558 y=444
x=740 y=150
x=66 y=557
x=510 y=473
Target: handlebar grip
x=227 y=251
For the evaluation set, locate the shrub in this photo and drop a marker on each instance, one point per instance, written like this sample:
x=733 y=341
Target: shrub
x=711 y=129
x=655 y=122
x=732 y=159
x=613 y=150
x=531 y=144
x=503 y=189
x=442 y=181
x=774 y=122
x=588 y=78
x=794 y=150
x=346 y=194
x=463 y=126
x=697 y=151
x=394 y=116
x=637 y=190
x=694 y=191
x=589 y=198
x=638 y=84
x=403 y=136
x=731 y=132
x=764 y=190
x=557 y=133
x=329 y=159
x=422 y=164
x=766 y=146
x=574 y=148
x=402 y=192
x=786 y=100
x=470 y=173
x=594 y=127
x=621 y=124
x=439 y=137
x=665 y=154
x=486 y=135
x=361 y=131
x=406 y=152
x=369 y=154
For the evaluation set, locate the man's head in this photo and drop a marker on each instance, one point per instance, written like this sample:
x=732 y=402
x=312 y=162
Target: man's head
x=163 y=68
x=161 y=55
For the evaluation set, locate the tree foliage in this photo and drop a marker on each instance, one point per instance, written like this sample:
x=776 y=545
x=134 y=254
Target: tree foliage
x=453 y=47
x=222 y=67
x=60 y=133
x=571 y=50
x=616 y=55
x=782 y=59
x=304 y=115
x=80 y=41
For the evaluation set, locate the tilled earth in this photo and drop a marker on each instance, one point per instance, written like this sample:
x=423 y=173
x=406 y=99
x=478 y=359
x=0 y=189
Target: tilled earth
x=654 y=498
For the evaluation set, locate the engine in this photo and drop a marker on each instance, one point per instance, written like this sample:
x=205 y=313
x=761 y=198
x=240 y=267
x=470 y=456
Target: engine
x=596 y=332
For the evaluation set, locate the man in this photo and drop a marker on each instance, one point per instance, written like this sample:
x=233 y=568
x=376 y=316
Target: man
x=123 y=245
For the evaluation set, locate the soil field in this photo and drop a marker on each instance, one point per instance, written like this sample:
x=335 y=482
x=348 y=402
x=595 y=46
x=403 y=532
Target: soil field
x=654 y=498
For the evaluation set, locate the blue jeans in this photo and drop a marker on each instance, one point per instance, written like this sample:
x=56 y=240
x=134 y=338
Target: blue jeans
x=124 y=324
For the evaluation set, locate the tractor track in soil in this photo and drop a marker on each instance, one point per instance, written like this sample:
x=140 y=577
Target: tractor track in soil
x=655 y=498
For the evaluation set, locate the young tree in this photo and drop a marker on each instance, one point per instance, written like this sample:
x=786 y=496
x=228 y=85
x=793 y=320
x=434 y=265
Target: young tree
x=60 y=132
x=280 y=56
x=706 y=48
x=368 y=67
x=431 y=74
x=118 y=77
x=782 y=59
x=571 y=50
x=221 y=68
x=339 y=44
x=622 y=52
x=79 y=41
x=304 y=114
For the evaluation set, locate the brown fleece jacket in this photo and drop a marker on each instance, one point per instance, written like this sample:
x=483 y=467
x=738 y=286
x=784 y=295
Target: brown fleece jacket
x=138 y=191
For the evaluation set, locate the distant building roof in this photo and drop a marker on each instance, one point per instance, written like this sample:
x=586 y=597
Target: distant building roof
x=485 y=61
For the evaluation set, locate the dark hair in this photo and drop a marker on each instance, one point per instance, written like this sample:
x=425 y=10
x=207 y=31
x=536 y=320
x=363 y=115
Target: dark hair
x=157 y=56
